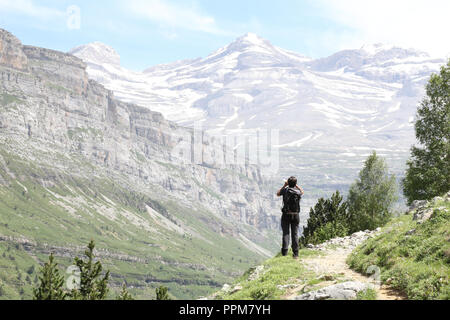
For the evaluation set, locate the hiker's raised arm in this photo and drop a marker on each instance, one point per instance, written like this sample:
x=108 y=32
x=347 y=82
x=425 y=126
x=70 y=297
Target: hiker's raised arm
x=300 y=188
x=279 y=191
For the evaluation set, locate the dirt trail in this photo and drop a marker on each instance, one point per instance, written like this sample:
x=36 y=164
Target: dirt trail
x=331 y=267
x=333 y=263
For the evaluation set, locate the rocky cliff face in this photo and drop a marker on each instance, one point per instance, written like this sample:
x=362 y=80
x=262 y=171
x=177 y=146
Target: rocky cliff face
x=52 y=112
x=330 y=112
x=11 y=54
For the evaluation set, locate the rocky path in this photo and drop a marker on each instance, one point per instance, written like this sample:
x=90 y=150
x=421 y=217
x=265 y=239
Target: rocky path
x=337 y=280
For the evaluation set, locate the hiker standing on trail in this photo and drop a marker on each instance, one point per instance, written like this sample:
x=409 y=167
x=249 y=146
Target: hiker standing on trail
x=290 y=219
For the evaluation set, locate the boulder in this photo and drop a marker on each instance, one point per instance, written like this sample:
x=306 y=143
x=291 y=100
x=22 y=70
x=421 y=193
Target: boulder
x=341 y=291
x=437 y=199
x=417 y=204
x=226 y=287
x=287 y=286
x=256 y=272
x=236 y=289
x=422 y=215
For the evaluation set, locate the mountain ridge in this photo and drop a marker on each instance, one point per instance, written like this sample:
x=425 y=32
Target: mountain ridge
x=201 y=87
x=329 y=112
x=76 y=164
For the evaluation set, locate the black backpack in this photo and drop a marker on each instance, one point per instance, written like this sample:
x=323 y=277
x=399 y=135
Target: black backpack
x=291 y=201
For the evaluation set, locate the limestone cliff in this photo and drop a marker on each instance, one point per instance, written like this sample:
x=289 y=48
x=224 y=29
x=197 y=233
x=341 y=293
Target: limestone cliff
x=52 y=112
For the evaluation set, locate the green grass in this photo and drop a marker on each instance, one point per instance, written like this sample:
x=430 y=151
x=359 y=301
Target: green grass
x=18 y=272
x=65 y=213
x=368 y=294
x=418 y=264
x=208 y=190
x=58 y=88
x=277 y=271
x=7 y=99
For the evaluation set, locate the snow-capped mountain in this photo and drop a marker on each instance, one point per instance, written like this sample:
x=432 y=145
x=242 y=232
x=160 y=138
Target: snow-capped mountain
x=97 y=53
x=253 y=84
x=348 y=103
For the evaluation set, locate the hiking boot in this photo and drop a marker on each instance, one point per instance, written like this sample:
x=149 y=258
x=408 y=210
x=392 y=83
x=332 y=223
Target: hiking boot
x=295 y=257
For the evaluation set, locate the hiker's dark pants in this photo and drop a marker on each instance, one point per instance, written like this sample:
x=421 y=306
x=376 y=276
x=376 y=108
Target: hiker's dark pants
x=289 y=225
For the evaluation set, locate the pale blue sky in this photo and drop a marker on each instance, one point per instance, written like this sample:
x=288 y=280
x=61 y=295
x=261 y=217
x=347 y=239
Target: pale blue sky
x=149 y=32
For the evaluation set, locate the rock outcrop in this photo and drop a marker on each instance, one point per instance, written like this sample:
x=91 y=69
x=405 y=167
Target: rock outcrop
x=423 y=210
x=53 y=112
x=11 y=54
x=341 y=291
x=348 y=242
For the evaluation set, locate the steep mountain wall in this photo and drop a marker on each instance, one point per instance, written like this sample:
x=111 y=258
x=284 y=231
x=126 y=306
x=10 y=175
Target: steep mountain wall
x=330 y=113
x=50 y=105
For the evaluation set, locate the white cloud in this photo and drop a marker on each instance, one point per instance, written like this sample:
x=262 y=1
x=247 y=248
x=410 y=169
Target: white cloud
x=29 y=8
x=174 y=16
x=422 y=24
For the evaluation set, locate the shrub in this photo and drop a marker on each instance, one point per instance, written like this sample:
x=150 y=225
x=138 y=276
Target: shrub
x=162 y=293
x=428 y=169
x=371 y=196
x=327 y=220
x=329 y=231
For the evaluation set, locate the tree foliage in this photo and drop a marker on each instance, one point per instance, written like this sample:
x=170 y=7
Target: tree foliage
x=124 y=294
x=92 y=285
x=162 y=293
x=51 y=285
x=371 y=196
x=327 y=220
x=428 y=169
x=367 y=207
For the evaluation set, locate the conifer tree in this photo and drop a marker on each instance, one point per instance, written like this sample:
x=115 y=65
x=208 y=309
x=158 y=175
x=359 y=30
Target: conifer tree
x=124 y=294
x=51 y=285
x=328 y=219
x=92 y=285
x=162 y=293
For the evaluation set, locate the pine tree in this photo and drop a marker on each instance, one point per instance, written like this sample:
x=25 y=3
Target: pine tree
x=92 y=285
x=162 y=293
x=51 y=282
x=371 y=196
x=428 y=170
x=124 y=294
x=328 y=219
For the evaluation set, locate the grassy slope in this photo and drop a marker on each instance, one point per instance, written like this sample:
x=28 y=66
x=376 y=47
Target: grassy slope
x=279 y=274
x=416 y=264
x=66 y=214
x=278 y=271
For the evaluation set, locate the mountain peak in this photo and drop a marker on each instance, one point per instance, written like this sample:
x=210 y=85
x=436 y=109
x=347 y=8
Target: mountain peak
x=374 y=48
x=250 y=42
x=253 y=38
x=394 y=51
x=96 y=52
